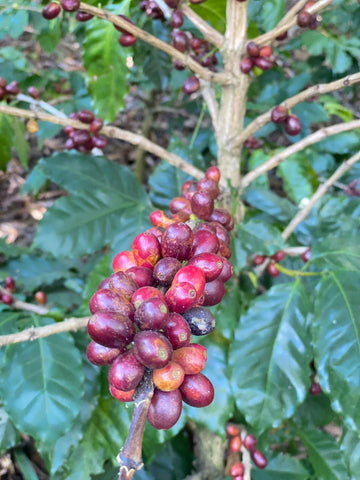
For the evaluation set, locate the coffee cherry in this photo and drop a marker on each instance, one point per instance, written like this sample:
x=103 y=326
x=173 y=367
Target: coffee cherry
x=279 y=114
x=273 y=271
x=33 y=92
x=177 y=64
x=126 y=372
x=12 y=88
x=201 y=321
x=235 y=444
x=205 y=242
x=96 y=125
x=224 y=250
x=250 y=442
x=165 y=270
x=123 y=261
x=178 y=203
x=315 y=389
x=237 y=469
x=263 y=63
x=172 y=3
x=282 y=36
x=259 y=259
x=99 y=141
x=122 y=285
x=146 y=250
x=303 y=18
x=246 y=64
x=85 y=116
x=232 y=430
x=169 y=378
x=151 y=314
x=194 y=276
x=191 y=85
x=127 y=39
x=180 y=41
x=143 y=294
x=213 y=292
x=122 y=29
x=121 y=395
x=197 y=390
x=9 y=283
x=111 y=329
x=314 y=22
x=83 y=16
x=253 y=49
x=265 y=51
x=100 y=355
x=192 y=359
x=177 y=19
x=226 y=272
x=177 y=330
x=292 y=125
x=305 y=257
x=177 y=241
x=51 y=10
x=70 y=5
x=40 y=297
x=209 y=186
x=222 y=216
x=278 y=256
x=221 y=232
x=165 y=409
x=3 y=82
x=105 y=299
x=180 y=297
x=213 y=173
x=259 y=459
x=7 y=299
x=142 y=276
x=80 y=137
x=209 y=263
x=152 y=349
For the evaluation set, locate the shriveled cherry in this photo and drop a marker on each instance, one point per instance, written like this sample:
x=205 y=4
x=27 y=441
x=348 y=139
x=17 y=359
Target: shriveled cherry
x=201 y=321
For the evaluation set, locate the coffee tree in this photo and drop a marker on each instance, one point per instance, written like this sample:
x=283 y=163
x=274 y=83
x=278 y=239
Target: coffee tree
x=240 y=209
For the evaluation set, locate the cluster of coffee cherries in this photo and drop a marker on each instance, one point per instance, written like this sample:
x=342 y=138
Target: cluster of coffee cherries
x=85 y=140
x=236 y=469
x=291 y=122
x=261 y=57
x=307 y=20
x=53 y=10
x=8 y=90
x=10 y=287
x=276 y=258
x=152 y=9
x=253 y=143
x=144 y=314
x=352 y=189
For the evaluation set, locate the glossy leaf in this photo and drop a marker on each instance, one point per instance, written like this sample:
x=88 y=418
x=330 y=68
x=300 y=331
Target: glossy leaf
x=227 y=312
x=105 y=64
x=324 y=454
x=101 y=271
x=269 y=356
x=103 y=193
x=42 y=385
x=299 y=178
x=281 y=467
x=337 y=253
x=213 y=11
x=11 y=250
x=6 y=136
x=350 y=447
x=20 y=143
x=9 y=435
x=267 y=201
x=260 y=237
x=336 y=332
x=271 y=13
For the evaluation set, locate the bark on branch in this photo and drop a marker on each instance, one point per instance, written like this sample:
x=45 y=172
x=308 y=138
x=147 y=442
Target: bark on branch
x=210 y=34
x=297 y=147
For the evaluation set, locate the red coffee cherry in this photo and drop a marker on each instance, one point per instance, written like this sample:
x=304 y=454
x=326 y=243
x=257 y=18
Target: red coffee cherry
x=178 y=203
x=106 y=300
x=259 y=459
x=41 y=297
x=263 y=63
x=232 y=430
x=273 y=271
x=172 y=3
x=209 y=263
x=259 y=259
x=246 y=64
x=70 y=5
x=253 y=49
x=12 y=88
x=165 y=409
x=177 y=241
x=98 y=141
x=292 y=125
x=305 y=257
x=191 y=358
x=123 y=261
x=194 y=276
x=169 y=378
x=177 y=19
x=180 y=297
x=177 y=330
x=85 y=116
x=83 y=16
x=226 y=272
x=111 y=329
x=152 y=349
x=265 y=51
x=279 y=114
x=235 y=444
x=213 y=292
x=51 y=10
x=96 y=125
x=236 y=469
x=127 y=39
x=180 y=41
x=205 y=242
x=303 y=18
x=197 y=390
x=121 y=395
x=146 y=250
x=33 y=92
x=143 y=294
x=7 y=299
x=80 y=137
x=122 y=29
x=151 y=314
x=278 y=256
x=100 y=355
x=142 y=276
x=165 y=270
x=213 y=173
x=315 y=389
x=250 y=442
x=122 y=285
x=9 y=283
x=191 y=85
x=126 y=372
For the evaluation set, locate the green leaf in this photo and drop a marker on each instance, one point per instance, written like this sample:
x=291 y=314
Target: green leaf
x=101 y=271
x=42 y=385
x=260 y=237
x=271 y=13
x=227 y=312
x=105 y=64
x=282 y=467
x=35 y=181
x=21 y=145
x=25 y=465
x=343 y=143
x=316 y=410
x=155 y=439
x=19 y=21
x=350 y=447
x=336 y=332
x=337 y=253
x=269 y=356
x=9 y=436
x=6 y=137
x=257 y=158
x=267 y=201
x=324 y=454
x=300 y=180
x=11 y=250
x=31 y=272
x=103 y=194
x=214 y=12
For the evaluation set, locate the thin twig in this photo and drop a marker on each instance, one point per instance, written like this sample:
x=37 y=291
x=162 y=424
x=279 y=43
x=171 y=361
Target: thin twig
x=289 y=103
x=209 y=96
x=210 y=34
x=297 y=147
x=29 y=307
x=266 y=38
x=221 y=78
x=30 y=334
x=292 y=12
x=304 y=212
x=113 y=132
